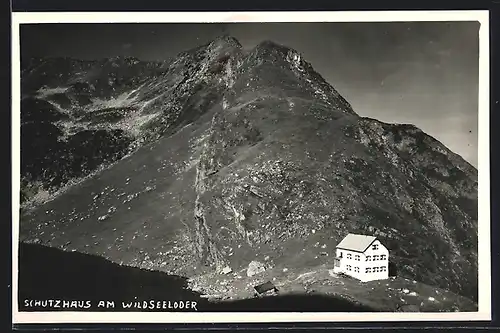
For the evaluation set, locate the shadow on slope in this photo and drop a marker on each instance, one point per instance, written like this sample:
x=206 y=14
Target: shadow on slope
x=51 y=274
x=291 y=303
x=47 y=273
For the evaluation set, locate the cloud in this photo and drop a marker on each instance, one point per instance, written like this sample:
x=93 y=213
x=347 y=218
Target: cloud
x=126 y=46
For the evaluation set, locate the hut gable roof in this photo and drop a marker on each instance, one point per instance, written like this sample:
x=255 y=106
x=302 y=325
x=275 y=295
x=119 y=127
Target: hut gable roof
x=357 y=243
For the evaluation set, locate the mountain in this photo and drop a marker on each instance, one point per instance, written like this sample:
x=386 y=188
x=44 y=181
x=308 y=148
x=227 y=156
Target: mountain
x=88 y=114
x=220 y=157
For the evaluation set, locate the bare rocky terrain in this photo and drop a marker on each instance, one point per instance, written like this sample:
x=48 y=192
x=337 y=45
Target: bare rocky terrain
x=220 y=157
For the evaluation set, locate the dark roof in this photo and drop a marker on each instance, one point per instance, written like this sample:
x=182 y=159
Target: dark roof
x=357 y=243
x=262 y=288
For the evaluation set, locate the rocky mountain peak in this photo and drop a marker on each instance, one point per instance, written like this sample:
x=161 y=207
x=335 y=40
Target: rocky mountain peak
x=283 y=71
x=117 y=61
x=226 y=40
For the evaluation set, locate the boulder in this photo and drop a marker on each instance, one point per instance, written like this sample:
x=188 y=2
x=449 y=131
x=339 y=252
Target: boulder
x=226 y=270
x=255 y=268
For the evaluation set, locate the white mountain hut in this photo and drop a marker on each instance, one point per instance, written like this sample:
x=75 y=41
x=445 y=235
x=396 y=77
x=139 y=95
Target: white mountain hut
x=362 y=257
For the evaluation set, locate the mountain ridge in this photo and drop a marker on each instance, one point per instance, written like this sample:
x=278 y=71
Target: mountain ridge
x=244 y=154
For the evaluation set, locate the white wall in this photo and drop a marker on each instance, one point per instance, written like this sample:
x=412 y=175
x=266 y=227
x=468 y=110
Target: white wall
x=379 y=274
x=352 y=262
x=378 y=253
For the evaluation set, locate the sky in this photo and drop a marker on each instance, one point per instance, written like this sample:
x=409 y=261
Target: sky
x=423 y=73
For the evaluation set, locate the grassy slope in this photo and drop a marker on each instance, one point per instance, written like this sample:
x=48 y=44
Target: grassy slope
x=145 y=199
x=277 y=166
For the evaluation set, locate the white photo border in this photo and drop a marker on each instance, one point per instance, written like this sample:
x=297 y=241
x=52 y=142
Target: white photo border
x=484 y=240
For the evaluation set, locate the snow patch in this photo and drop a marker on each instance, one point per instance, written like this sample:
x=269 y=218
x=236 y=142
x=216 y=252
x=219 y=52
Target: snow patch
x=45 y=91
x=121 y=101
